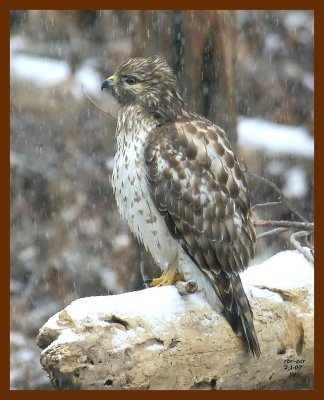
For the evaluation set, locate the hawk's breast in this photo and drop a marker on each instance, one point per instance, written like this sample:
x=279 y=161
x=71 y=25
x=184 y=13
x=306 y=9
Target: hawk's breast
x=131 y=191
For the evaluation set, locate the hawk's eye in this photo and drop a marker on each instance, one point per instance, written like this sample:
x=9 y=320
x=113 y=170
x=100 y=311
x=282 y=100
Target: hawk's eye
x=131 y=80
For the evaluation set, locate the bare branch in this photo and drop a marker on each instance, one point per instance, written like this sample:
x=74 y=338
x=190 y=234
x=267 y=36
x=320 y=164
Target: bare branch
x=282 y=198
x=96 y=104
x=272 y=232
x=299 y=247
x=309 y=226
x=271 y=203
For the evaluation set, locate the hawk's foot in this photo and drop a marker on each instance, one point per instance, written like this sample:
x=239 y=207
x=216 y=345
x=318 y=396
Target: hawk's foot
x=168 y=277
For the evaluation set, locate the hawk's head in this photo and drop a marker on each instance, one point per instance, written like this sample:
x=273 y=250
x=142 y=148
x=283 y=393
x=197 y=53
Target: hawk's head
x=148 y=82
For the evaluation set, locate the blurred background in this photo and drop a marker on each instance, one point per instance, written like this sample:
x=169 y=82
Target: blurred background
x=250 y=72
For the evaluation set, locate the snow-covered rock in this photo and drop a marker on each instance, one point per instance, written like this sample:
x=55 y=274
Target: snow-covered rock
x=159 y=339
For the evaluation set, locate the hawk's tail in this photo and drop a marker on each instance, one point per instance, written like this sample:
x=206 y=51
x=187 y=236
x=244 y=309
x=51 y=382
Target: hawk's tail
x=238 y=311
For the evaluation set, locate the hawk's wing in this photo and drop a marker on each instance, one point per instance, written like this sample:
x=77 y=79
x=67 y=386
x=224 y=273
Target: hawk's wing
x=197 y=184
x=196 y=181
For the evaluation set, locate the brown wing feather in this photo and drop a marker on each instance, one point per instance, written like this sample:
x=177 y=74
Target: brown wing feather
x=196 y=182
x=194 y=176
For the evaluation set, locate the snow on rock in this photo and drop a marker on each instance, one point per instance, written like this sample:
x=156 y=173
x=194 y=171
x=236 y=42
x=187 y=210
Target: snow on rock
x=142 y=303
x=282 y=275
x=162 y=305
x=275 y=138
x=157 y=309
x=67 y=336
x=151 y=336
x=285 y=270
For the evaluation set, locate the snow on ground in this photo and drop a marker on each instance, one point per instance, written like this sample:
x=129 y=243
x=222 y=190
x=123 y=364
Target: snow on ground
x=295 y=178
x=161 y=306
x=38 y=70
x=275 y=138
x=296 y=183
x=46 y=72
x=17 y=43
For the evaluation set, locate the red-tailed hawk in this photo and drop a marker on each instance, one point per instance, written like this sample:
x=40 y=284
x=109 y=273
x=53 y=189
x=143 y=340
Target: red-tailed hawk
x=181 y=189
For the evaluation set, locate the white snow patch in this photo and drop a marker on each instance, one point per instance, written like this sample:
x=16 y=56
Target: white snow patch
x=67 y=336
x=38 y=70
x=46 y=72
x=121 y=339
x=155 y=346
x=18 y=159
x=298 y=19
x=17 y=339
x=255 y=292
x=90 y=79
x=110 y=280
x=121 y=241
x=53 y=322
x=308 y=81
x=285 y=270
x=28 y=253
x=275 y=167
x=273 y=43
x=162 y=304
x=17 y=43
x=296 y=182
x=24 y=355
x=211 y=321
x=275 y=138
x=198 y=300
x=156 y=306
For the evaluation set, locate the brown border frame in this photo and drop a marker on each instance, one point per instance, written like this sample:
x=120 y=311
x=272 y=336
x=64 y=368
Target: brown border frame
x=5 y=182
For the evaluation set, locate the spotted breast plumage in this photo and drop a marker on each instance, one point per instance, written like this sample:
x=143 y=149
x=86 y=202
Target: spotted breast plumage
x=181 y=189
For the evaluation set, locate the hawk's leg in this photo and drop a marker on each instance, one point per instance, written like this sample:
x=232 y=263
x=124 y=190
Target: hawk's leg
x=169 y=276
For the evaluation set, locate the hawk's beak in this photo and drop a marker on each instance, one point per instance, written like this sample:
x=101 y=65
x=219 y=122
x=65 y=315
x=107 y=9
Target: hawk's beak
x=107 y=83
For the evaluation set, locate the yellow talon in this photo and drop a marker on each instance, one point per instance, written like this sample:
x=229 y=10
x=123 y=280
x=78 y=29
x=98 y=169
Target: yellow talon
x=169 y=277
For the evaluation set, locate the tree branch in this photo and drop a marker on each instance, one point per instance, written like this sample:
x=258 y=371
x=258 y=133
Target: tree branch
x=271 y=203
x=96 y=104
x=299 y=247
x=272 y=232
x=309 y=226
x=282 y=198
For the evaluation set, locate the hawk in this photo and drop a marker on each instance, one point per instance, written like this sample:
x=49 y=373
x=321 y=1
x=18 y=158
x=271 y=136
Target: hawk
x=181 y=189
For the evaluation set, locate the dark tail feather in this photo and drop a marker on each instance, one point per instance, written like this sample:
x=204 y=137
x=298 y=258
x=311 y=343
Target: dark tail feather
x=237 y=309
x=250 y=335
x=245 y=316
